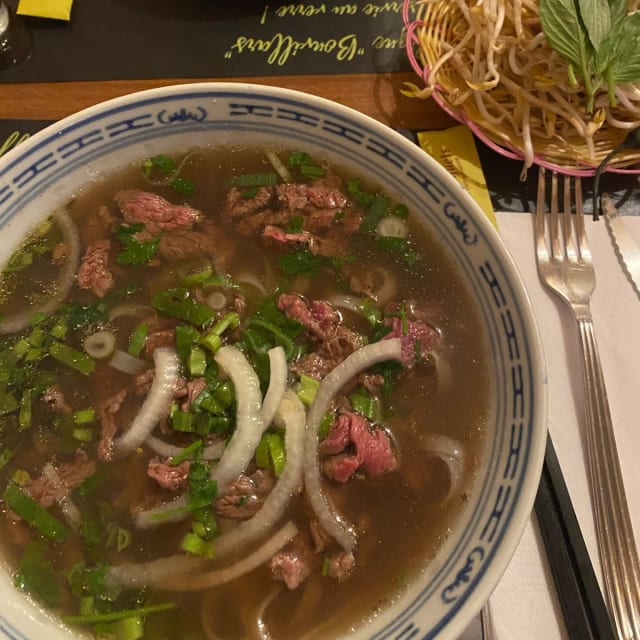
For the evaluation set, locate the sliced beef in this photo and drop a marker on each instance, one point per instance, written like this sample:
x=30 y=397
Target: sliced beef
x=339 y=435
x=314 y=366
x=341 y=565
x=340 y=467
x=154 y=212
x=108 y=424
x=239 y=206
x=279 y=236
x=208 y=240
x=143 y=382
x=71 y=474
x=157 y=339
x=417 y=338
x=352 y=445
x=245 y=496
x=318 y=316
x=373 y=448
x=292 y=565
x=194 y=388
x=54 y=397
x=94 y=273
x=342 y=343
x=255 y=224
x=168 y=476
x=299 y=197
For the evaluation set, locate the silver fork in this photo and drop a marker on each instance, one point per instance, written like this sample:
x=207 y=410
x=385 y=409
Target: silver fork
x=566 y=267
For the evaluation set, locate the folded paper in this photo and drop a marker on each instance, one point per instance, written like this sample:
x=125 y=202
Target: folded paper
x=56 y=9
x=455 y=149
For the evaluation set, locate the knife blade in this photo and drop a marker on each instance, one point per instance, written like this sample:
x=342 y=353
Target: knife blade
x=626 y=247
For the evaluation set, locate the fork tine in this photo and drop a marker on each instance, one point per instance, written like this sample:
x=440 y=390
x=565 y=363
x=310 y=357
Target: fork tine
x=571 y=246
x=584 y=251
x=541 y=243
x=554 y=222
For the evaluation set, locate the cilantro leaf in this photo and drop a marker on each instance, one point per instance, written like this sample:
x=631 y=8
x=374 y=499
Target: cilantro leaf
x=135 y=251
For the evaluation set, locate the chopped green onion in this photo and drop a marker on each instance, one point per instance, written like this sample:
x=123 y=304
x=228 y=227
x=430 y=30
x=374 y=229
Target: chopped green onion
x=308 y=389
x=212 y=340
x=281 y=338
x=113 y=616
x=198 y=277
x=255 y=180
x=163 y=163
x=197 y=546
x=24 y=417
x=8 y=403
x=84 y=416
x=21 y=477
x=186 y=337
x=123 y=539
x=59 y=329
x=87 y=605
x=300 y=263
x=312 y=170
x=182 y=421
x=72 y=358
x=186 y=452
x=325 y=425
x=325 y=567
x=138 y=338
x=83 y=435
x=35 y=575
x=5 y=457
x=179 y=303
x=270 y=452
x=366 y=405
x=197 y=361
x=18 y=500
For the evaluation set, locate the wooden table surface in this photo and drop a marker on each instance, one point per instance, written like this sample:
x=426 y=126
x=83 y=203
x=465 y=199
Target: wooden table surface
x=377 y=95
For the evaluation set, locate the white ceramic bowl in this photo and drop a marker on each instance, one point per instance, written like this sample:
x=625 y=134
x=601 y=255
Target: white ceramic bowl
x=46 y=170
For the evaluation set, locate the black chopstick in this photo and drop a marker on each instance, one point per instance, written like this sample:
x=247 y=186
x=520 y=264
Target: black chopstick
x=578 y=592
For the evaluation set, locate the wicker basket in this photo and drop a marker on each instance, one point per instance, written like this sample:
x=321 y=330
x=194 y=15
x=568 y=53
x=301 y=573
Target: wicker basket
x=440 y=25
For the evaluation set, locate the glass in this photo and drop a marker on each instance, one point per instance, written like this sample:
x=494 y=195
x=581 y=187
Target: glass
x=15 y=39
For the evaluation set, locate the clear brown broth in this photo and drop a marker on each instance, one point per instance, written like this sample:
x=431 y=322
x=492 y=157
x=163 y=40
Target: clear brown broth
x=402 y=517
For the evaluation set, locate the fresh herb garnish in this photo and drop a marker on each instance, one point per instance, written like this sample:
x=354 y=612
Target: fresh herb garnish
x=300 y=263
x=36 y=575
x=135 y=250
x=598 y=39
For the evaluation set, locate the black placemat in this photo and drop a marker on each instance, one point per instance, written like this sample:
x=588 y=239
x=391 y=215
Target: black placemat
x=134 y=39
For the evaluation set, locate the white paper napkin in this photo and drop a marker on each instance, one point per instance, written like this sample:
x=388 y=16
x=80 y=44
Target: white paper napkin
x=524 y=604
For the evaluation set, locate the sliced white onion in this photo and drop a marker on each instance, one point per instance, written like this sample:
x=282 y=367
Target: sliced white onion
x=61 y=288
x=200 y=581
x=249 y=423
x=279 y=166
x=388 y=288
x=156 y=404
x=69 y=510
x=354 y=364
x=392 y=227
x=100 y=345
x=133 y=310
x=240 y=448
x=216 y=300
x=291 y=415
x=444 y=372
x=278 y=372
x=450 y=452
x=162 y=448
x=125 y=362
x=252 y=280
x=345 y=301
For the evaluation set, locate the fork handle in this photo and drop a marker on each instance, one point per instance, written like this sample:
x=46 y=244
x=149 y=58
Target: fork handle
x=614 y=532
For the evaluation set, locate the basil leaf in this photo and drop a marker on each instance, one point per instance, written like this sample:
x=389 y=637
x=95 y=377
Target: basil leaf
x=625 y=63
x=563 y=30
x=596 y=17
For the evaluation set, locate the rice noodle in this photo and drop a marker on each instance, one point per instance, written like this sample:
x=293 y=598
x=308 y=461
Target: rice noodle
x=162 y=448
x=278 y=372
x=279 y=166
x=156 y=404
x=197 y=582
x=61 y=288
x=357 y=362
